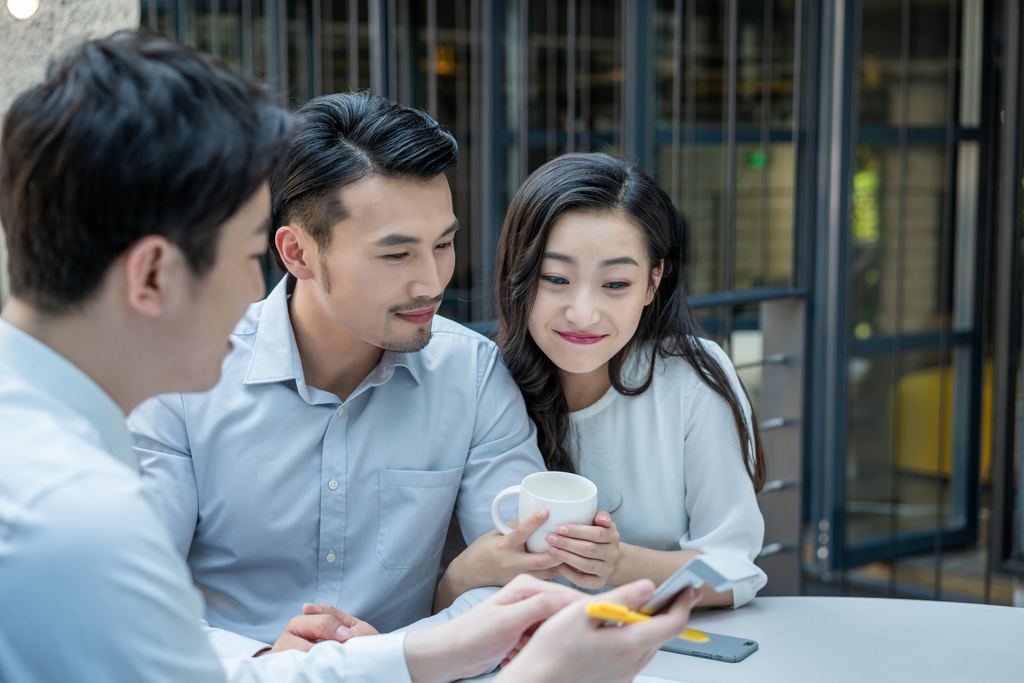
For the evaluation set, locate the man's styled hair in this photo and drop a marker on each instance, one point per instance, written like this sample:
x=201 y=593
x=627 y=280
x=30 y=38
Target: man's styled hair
x=342 y=138
x=128 y=136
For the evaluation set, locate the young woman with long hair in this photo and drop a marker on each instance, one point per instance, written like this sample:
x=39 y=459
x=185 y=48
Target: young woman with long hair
x=595 y=328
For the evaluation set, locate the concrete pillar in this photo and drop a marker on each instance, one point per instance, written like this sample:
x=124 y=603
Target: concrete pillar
x=26 y=46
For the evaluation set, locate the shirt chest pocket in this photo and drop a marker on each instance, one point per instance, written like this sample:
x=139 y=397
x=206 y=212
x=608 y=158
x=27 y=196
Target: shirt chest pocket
x=415 y=509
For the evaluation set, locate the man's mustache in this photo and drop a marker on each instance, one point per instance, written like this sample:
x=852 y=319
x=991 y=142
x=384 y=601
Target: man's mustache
x=417 y=305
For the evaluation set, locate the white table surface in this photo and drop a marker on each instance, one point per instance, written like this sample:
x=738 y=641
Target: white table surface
x=862 y=640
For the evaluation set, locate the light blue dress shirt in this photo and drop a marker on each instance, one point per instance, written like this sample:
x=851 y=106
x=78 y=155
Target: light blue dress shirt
x=279 y=493
x=91 y=586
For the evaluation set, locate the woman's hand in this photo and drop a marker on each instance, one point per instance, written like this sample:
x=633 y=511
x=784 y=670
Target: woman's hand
x=589 y=552
x=358 y=627
x=494 y=560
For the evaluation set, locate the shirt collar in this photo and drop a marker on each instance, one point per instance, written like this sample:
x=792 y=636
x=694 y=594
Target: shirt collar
x=275 y=356
x=46 y=370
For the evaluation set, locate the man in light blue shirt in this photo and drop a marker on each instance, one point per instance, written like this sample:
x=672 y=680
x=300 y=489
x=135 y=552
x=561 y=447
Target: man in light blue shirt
x=134 y=198
x=350 y=421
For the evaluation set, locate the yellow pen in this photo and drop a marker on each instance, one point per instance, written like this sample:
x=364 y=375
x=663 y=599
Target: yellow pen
x=609 y=611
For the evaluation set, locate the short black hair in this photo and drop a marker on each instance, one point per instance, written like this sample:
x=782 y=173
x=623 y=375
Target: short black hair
x=342 y=138
x=127 y=136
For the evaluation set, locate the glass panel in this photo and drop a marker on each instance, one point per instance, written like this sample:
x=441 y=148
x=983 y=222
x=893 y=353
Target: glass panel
x=893 y=273
x=899 y=461
x=764 y=215
x=881 y=100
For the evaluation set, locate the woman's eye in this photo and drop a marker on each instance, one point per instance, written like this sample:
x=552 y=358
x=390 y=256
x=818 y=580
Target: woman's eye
x=617 y=285
x=444 y=245
x=396 y=257
x=554 y=279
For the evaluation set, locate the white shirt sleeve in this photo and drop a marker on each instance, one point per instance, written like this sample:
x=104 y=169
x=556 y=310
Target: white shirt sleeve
x=229 y=645
x=369 y=659
x=720 y=499
x=101 y=593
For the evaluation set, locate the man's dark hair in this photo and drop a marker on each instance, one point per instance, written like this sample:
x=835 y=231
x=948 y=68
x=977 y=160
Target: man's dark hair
x=342 y=138
x=128 y=136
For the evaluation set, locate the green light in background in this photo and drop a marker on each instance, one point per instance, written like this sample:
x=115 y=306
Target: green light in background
x=757 y=160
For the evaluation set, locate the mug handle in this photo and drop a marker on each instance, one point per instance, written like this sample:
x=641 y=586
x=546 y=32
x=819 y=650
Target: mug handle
x=496 y=513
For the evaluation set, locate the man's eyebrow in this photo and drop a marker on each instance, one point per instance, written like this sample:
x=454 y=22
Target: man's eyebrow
x=560 y=257
x=397 y=239
x=451 y=229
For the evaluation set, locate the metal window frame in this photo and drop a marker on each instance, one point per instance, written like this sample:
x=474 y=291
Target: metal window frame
x=1006 y=339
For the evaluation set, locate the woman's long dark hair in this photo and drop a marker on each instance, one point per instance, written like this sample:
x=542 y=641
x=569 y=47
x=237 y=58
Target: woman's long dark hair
x=599 y=183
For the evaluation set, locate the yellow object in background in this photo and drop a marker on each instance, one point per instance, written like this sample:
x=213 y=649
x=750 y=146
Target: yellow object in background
x=919 y=400
x=609 y=611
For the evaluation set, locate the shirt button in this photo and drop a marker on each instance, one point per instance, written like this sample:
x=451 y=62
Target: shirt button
x=341 y=411
x=331 y=557
x=332 y=484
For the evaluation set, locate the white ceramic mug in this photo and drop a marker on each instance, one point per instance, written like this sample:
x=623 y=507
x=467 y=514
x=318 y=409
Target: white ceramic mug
x=568 y=498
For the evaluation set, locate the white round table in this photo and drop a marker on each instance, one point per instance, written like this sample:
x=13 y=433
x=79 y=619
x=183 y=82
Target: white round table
x=856 y=640
x=860 y=640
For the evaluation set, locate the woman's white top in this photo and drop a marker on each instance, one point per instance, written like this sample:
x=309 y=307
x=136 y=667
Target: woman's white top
x=668 y=464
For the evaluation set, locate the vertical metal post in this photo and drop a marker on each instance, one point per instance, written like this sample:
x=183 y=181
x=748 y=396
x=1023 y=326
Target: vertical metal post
x=328 y=49
x=636 y=66
x=945 y=268
x=490 y=211
x=897 y=343
x=585 y=32
x=463 y=173
x=570 y=76
x=317 y=25
x=282 y=49
x=215 y=28
x=827 y=406
x=392 y=52
x=378 y=47
x=729 y=269
x=432 y=58
x=524 y=89
x=690 y=162
x=180 y=25
x=353 y=44
x=677 y=102
x=551 y=89
x=247 y=57
x=618 y=113
x=796 y=274
x=1007 y=314
x=766 y=110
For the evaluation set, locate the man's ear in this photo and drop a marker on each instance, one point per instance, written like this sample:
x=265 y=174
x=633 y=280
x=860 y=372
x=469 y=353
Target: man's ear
x=656 y=274
x=149 y=266
x=293 y=246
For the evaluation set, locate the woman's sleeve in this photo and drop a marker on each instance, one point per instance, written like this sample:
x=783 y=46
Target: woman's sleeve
x=720 y=498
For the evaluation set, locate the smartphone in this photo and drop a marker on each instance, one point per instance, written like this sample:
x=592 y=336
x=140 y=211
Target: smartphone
x=720 y=572
x=720 y=648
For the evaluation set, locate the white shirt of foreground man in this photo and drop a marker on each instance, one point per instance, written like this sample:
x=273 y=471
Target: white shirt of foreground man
x=92 y=582
x=94 y=589
x=280 y=494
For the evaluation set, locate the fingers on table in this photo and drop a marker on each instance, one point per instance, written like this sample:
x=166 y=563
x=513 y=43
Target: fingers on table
x=345 y=619
x=316 y=627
